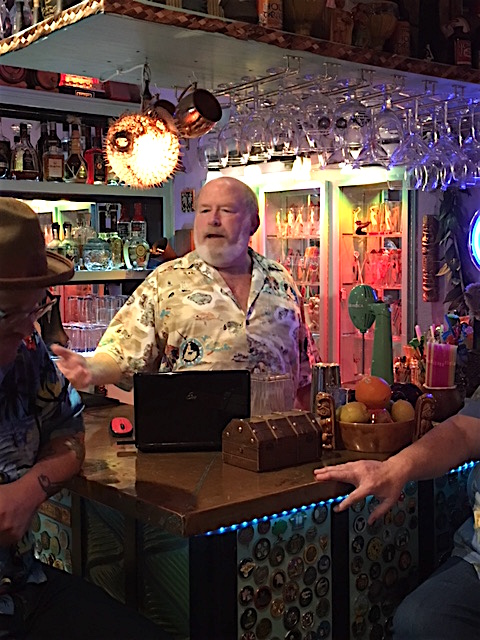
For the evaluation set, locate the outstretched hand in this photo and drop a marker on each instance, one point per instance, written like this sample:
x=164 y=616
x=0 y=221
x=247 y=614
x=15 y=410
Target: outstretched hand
x=370 y=477
x=73 y=366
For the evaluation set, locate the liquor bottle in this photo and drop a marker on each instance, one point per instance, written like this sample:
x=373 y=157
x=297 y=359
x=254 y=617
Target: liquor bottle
x=5 y=153
x=65 y=141
x=42 y=142
x=139 y=223
x=136 y=251
x=54 y=244
x=124 y=225
x=96 y=170
x=52 y=135
x=53 y=161
x=24 y=162
x=67 y=246
x=75 y=167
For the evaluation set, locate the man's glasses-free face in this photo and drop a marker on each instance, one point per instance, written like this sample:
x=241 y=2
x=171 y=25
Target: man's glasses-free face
x=10 y=318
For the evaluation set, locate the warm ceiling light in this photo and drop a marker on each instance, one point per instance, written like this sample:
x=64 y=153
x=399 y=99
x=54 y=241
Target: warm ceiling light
x=143 y=150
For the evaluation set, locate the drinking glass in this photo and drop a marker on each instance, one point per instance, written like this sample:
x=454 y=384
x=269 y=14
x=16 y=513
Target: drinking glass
x=351 y=118
x=233 y=150
x=208 y=150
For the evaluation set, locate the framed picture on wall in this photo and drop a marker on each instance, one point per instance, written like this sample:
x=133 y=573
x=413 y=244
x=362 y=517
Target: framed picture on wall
x=187 y=200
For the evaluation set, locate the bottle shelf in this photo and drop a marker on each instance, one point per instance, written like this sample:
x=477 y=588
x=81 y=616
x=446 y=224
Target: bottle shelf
x=88 y=277
x=287 y=238
x=40 y=189
x=368 y=336
x=372 y=235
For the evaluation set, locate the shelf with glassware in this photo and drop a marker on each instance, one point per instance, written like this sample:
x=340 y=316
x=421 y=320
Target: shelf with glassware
x=371 y=222
x=292 y=222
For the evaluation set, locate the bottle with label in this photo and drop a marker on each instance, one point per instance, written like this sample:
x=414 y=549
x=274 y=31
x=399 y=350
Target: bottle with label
x=24 y=162
x=139 y=224
x=124 y=225
x=75 y=166
x=5 y=153
x=270 y=13
x=96 y=170
x=54 y=244
x=53 y=161
x=68 y=247
x=136 y=251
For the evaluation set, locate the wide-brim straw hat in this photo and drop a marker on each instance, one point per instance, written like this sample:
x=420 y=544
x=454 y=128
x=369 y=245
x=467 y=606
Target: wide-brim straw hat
x=24 y=261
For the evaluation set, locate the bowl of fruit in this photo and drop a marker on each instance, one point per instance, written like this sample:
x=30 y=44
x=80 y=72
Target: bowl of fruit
x=383 y=419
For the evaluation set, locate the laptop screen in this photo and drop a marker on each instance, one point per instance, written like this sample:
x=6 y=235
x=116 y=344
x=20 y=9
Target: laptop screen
x=188 y=410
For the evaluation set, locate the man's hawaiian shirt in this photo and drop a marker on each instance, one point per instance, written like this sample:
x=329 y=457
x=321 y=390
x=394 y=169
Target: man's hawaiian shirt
x=184 y=315
x=36 y=405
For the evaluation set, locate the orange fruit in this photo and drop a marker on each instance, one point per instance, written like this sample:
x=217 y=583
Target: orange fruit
x=373 y=391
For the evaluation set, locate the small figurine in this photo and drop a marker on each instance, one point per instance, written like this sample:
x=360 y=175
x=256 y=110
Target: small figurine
x=373 y=213
x=357 y=215
x=298 y=225
x=388 y=218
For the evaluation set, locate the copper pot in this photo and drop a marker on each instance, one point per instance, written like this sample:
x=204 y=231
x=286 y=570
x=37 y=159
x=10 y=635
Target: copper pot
x=196 y=113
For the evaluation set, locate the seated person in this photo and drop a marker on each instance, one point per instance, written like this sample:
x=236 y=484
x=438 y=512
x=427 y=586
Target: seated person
x=447 y=605
x=42 y=446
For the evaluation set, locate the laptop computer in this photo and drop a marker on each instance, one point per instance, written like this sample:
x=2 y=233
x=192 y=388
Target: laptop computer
x=188 y=410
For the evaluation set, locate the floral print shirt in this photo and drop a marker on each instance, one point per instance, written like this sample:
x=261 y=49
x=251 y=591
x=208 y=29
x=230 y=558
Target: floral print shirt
x=184 y=315
x=36 y=405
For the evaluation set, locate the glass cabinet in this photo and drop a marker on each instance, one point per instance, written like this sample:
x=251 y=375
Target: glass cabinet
x=371 y=229
x=292 y=223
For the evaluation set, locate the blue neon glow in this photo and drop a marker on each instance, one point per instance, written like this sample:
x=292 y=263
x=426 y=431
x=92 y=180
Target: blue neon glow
x=474 y=239
x=246 y=523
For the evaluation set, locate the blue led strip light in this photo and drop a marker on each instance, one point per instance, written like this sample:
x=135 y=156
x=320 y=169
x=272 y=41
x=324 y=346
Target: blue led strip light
x=283 y=514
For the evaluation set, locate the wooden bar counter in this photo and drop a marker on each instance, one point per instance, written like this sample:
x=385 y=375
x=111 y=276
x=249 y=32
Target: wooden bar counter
x=215 y=552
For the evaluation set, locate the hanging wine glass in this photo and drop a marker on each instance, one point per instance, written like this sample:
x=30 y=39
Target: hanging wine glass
x=454 y=162
x=387 y=126
x=254 y=133
x=317 y=115
x=471 y=148
x=207 y=150
x=232 y=148
x=351 y=118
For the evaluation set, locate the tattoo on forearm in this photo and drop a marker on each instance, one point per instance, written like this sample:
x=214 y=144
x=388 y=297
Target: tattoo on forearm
x=50 y=488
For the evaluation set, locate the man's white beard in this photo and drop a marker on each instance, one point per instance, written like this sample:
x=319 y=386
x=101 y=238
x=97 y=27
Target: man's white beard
x=222 y=257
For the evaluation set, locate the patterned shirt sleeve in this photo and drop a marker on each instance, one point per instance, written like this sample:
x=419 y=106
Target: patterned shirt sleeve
x=134 y=337
x=58 y=406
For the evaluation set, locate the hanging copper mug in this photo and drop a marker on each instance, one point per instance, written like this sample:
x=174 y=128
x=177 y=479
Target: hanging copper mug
x=196 y=113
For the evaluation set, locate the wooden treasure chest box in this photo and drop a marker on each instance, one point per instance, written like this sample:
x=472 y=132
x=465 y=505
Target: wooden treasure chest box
x=273 y=441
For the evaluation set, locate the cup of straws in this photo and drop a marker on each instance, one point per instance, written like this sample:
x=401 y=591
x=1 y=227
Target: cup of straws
x=440 y=365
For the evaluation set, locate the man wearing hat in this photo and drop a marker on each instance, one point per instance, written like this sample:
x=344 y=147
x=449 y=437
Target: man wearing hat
x=41 y=447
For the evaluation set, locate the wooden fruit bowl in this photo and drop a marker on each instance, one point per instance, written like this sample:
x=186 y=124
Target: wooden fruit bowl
x=381 y=437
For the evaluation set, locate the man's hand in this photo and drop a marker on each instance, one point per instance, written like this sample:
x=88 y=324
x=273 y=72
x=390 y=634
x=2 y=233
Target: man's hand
x=73 y=366
x=370 y=477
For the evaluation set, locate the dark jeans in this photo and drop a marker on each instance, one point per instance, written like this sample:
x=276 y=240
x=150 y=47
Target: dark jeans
x=446 y=606
x=69 y=608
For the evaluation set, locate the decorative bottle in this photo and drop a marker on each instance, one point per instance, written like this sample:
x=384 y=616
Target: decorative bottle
x=54 y=244
x=136 y=250
x=24 y=162
x=96 y=170
x=53 y=160
x=68 y=247
x=5 y=153
x=75 y=166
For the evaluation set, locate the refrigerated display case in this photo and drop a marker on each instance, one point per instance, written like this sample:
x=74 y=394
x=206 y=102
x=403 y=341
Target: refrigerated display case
x=372 y=251
x=293 y=233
